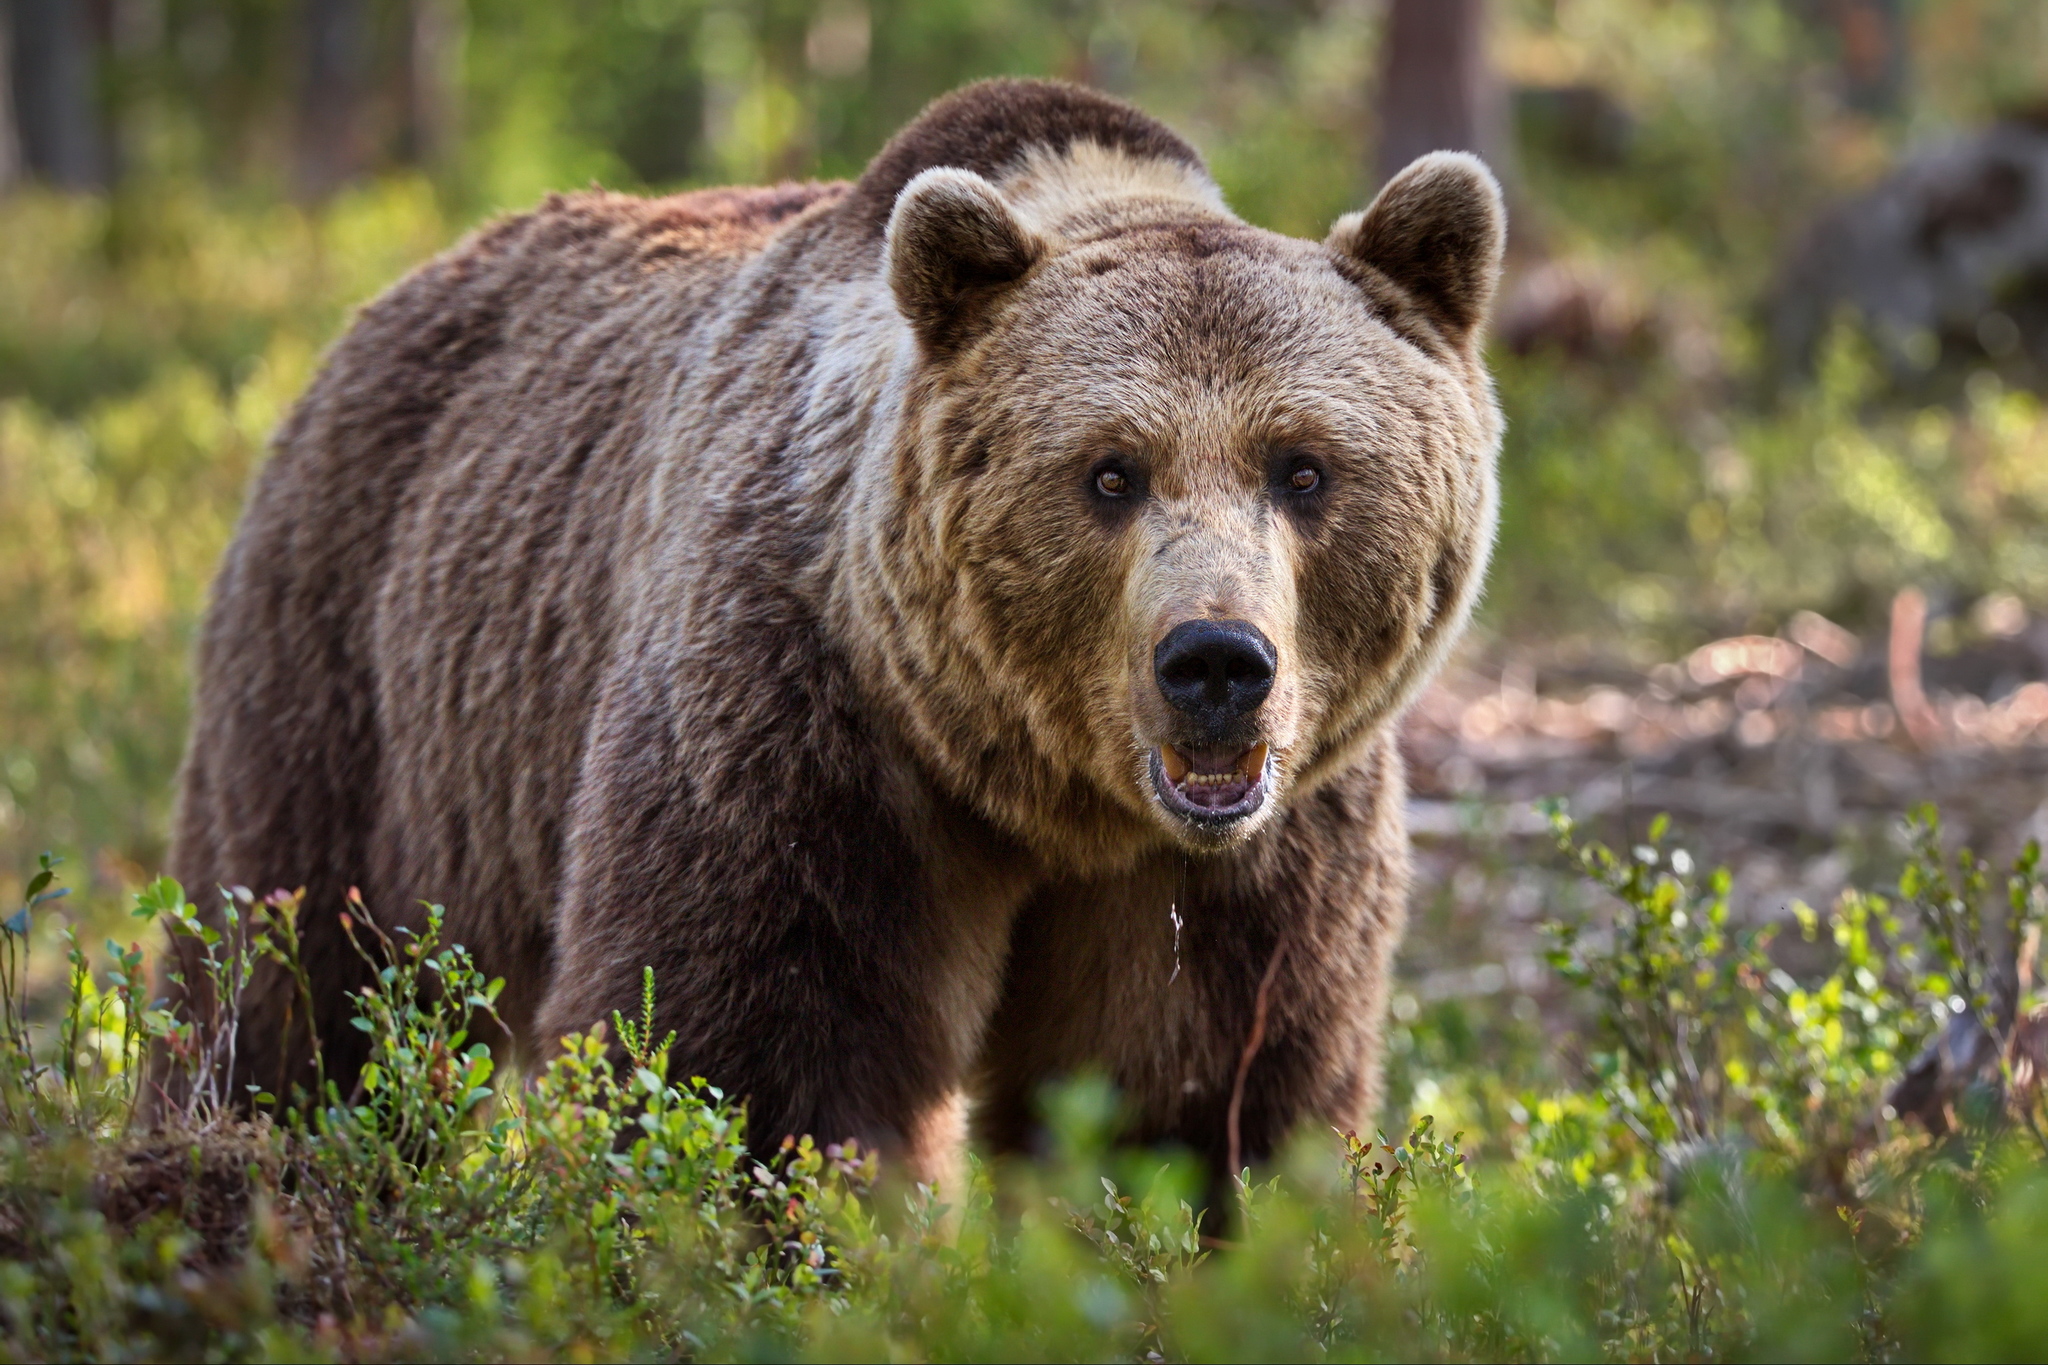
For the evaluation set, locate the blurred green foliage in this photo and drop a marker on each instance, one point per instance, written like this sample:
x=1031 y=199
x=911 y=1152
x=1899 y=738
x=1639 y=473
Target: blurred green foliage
x=148 y=350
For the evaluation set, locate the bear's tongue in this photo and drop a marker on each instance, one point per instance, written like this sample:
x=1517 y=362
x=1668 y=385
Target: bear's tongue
x=1213 y=778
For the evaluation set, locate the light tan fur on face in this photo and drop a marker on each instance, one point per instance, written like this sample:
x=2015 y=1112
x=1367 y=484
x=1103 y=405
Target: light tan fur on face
x=1155 y=324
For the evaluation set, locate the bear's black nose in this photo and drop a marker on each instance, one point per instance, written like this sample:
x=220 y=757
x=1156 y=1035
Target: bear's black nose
x=1214 y=671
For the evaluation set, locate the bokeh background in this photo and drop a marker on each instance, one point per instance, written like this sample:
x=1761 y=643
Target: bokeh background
x=1771 y=347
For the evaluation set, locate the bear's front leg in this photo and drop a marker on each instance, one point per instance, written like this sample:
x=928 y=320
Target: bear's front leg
x=826 y=941
x=1097 y=980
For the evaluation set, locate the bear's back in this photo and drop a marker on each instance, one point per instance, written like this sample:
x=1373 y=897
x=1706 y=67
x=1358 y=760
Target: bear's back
x=428 y=547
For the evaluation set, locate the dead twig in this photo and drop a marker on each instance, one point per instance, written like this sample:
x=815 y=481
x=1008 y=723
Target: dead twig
x=1252 y=1043
x=1902 y=659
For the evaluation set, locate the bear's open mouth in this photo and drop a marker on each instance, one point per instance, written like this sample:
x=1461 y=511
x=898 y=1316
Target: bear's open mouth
x=1210 y=786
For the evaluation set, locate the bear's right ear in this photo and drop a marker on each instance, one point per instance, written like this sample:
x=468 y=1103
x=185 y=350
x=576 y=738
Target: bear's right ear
x=1436 y=231
x=953 y=246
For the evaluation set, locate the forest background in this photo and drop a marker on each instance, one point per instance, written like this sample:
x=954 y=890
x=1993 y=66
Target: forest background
x=198 y=191
x=1771 y=349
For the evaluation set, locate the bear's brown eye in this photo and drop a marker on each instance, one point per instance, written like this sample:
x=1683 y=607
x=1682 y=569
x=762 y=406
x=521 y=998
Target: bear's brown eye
x=1305 y=479
x=1112 y=482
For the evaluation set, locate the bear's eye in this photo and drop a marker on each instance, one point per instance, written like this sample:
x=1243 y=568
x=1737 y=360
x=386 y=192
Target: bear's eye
x=1112 y=482
x=1305 y=479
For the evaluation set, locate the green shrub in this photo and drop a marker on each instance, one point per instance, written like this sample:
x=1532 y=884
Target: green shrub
x=1718 y=1178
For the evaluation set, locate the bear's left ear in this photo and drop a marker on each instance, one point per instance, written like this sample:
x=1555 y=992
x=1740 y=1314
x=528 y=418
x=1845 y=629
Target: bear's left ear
x=953 y=246
x=1436 y=231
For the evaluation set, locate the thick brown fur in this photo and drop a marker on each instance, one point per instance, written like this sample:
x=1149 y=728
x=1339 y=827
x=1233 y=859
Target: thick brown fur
x=716 y=583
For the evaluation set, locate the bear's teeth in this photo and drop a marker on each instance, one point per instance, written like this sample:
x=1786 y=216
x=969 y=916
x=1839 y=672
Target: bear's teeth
x=1170 y=759
x=1249 y=767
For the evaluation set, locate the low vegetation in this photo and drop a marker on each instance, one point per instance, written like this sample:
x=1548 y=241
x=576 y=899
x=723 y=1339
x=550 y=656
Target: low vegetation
x=1845 y=1164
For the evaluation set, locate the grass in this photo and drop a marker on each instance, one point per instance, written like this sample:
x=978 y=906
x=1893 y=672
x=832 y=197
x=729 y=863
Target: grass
x=1717 y=1174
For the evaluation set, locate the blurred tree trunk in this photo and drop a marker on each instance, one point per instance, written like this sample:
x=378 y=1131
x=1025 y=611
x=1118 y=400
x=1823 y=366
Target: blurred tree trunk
x=1437 y=91
x=335 y=49
x=433 y=93
x=55 y=105
x=10 y=143
x=1872 y=37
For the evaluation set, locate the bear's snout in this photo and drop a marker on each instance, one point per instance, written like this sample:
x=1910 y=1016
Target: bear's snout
x=1214 y=672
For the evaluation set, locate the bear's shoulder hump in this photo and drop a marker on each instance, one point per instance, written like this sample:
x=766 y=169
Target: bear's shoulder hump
x=992 y=125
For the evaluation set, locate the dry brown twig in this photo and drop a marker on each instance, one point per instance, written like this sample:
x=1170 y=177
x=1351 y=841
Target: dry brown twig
x=1909 y=698
x=1253 y=1041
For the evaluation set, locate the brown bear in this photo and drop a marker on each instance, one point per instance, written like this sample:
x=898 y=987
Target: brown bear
x=951 y=627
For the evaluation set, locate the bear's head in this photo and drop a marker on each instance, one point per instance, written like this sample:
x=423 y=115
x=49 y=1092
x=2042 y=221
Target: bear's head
x=1181 y=511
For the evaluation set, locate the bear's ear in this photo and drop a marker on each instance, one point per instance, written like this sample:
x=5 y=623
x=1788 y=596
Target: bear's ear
x=1436 y=231
x=953 y=246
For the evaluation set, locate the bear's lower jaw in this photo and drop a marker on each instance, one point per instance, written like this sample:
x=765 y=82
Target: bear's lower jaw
x=1208 y=790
